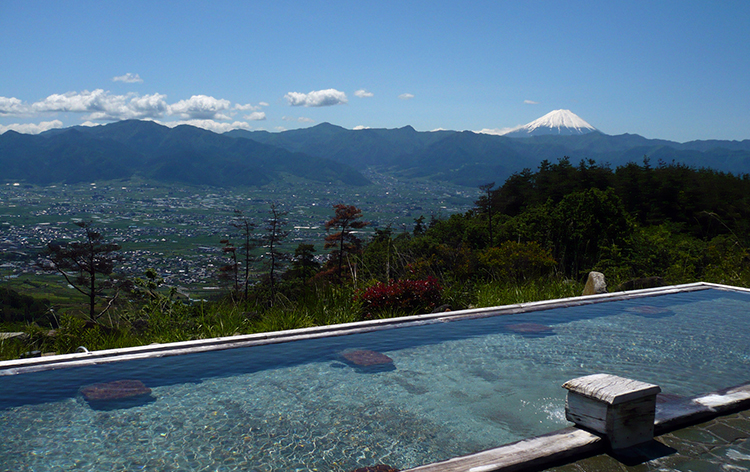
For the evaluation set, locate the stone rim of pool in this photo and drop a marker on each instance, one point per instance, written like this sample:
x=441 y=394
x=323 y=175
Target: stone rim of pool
x=36 y=364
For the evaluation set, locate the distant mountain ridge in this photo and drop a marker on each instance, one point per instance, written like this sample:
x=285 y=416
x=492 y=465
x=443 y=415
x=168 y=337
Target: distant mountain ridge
x=143 y=148
x=330 y=153
x=469 y=158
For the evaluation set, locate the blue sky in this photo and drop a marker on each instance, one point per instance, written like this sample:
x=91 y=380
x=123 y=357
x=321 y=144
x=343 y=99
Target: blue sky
x=676 y=70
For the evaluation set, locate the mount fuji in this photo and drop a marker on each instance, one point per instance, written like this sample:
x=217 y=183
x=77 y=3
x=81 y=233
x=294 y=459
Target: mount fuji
x=558 y=122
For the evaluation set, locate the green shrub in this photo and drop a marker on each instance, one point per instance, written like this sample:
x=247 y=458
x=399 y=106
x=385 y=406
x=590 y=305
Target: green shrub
x=517 y=261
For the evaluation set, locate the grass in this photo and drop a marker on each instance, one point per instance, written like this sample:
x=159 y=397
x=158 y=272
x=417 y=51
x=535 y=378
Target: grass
x=493 y=294
x=165 y=321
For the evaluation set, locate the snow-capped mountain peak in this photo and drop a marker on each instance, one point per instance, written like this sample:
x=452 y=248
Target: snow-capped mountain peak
x=562 y=122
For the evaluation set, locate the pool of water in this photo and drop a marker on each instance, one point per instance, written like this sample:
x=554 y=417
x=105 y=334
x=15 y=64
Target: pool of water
x=454 y=388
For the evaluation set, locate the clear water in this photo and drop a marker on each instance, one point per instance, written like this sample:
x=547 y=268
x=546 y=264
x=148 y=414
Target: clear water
x=457 y=387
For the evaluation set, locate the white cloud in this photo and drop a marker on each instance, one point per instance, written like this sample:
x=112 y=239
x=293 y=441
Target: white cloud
x=12 y=106
x=497 y=131
x=256 y=116
x=149 y=106
x=319 y=98
x=530 y=102
x=128 y=78
x=263 y=104
x=32 y=128
x=211 y=125
x=80 y=102
x=362 y=93
x=360 y=127
x=406 y=96
x=103 y=106
x=201 y=107
x=247 y=107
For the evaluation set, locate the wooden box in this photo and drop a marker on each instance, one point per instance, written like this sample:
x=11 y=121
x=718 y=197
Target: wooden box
x=621 y=409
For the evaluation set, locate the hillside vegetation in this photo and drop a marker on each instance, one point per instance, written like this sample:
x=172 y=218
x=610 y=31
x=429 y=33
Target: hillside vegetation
x=534 y=237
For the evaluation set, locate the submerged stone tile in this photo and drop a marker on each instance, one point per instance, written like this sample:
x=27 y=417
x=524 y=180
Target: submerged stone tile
x=739 y=423
x=698 y=465
x=685 y=447
x=115 y=390
x=531 y=329
x=118 y=394
x=368 y=361
x=732 y=455
x=726 y=432
x=695 y=435
x=376 y=468
x=601 y=463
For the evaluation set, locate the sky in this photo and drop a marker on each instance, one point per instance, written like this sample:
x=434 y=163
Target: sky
x=676 y=70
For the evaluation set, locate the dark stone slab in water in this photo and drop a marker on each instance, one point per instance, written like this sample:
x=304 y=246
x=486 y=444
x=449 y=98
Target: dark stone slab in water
x=648 y=311
x=531 y=329
x=368 y=361
x=115 y=390
x=376 y=468
x=116 y=394
x=366 y=358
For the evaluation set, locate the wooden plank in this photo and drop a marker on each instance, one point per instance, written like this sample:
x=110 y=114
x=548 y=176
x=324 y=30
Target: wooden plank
x=550 y=449
x=586 y=412
x=611 y=389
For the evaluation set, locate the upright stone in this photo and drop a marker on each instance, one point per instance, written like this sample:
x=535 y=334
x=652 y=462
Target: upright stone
x=621 y=409
x=595 y=284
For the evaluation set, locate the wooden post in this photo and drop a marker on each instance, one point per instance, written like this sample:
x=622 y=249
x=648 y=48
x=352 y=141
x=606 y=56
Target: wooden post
x=621 y=409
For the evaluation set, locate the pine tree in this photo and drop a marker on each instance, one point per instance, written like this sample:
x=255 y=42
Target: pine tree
x=274 y=235
x=87 y=265
x=343 y=242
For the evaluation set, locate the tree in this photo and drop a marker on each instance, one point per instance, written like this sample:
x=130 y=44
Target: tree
x=485 y=203
x=273 y=237
x=343 y=242
x=87 y=266
x=230 y=271
x=304 y=265
x=377 y=255
x=419 y=227
x=246 y=228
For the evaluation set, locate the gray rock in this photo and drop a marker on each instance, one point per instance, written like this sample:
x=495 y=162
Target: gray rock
x=595 y=284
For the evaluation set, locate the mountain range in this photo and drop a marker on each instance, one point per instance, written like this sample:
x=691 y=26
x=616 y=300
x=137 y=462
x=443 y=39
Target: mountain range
x=327 y=153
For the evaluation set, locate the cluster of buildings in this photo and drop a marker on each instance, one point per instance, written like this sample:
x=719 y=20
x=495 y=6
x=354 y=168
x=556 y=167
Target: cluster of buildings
x=177 y=230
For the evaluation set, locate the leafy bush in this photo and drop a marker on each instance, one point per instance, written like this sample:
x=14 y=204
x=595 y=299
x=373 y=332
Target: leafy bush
x=404 y=296
x=517 y=262
x=15 y=307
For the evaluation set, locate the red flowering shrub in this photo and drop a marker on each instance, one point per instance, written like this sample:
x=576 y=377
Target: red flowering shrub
x=408 y=296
